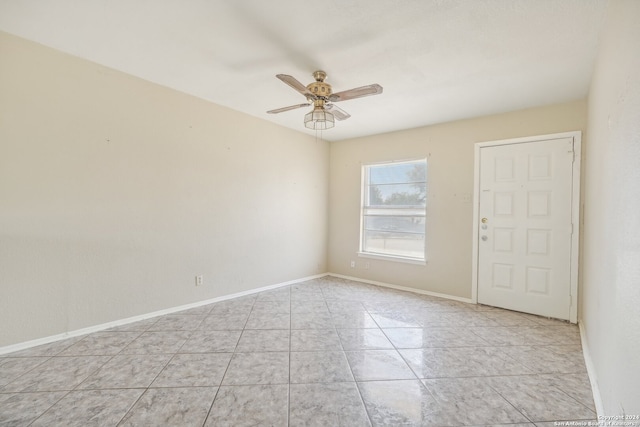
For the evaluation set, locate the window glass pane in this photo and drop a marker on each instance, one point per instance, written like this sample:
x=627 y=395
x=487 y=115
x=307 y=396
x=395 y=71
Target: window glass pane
x=413 y=194
x=394 y=243
x=398 y=173
x=404 y=224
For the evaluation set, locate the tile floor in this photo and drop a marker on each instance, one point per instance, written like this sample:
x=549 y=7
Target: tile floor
x=328 y=352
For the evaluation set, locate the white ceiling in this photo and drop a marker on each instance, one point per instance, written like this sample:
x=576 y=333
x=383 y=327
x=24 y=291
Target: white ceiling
x=438 y=60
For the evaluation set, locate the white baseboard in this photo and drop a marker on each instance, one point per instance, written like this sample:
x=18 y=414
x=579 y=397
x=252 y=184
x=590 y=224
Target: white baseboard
x=79 y=332
x=591 y=371
x=404 y=288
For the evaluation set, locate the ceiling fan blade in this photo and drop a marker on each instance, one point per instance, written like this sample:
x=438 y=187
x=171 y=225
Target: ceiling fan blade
x=291 y=81
x=291 y=107
x=358 y=92
x=338 y=112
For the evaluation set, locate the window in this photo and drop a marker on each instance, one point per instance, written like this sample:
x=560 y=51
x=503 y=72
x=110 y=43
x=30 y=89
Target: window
x=393 y=209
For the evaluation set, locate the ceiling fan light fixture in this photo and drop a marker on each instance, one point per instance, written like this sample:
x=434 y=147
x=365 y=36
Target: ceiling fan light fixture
x=319 y=119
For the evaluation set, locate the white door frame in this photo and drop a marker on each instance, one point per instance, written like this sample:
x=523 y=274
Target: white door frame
x=575 y=210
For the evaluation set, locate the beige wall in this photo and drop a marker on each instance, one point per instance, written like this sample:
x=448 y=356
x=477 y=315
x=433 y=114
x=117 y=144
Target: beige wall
x=115 y=193
x=611 y=258
x=449 y=149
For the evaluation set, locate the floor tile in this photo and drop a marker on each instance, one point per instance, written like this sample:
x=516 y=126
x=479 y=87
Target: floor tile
x=508 y=318
x=203 y=310
x=224 y=322
x=315 y=339
x=177 y=322
x=272 y=307
x=100 y=343
x=502 y=336
x=435 y=319
x=400 y=402
x=335 y=404
x=312 y=320
x=313 y=284
x=258 y=368
x=546 y=321
x=264 y=340
x=342 y=295
x=233 y=306
x=211 y=342
x=486 y=308
x=544 y=335
x=44 y=350
x=397 y=319
x=454 y=306
x=19 y=409
x=549 y=359
x=577 y=386
x=268 y=320
x=368 y=365
x=538 y=399
x=319 y=367
x=157 y=342
x=389 y=306
x=279 y=294
x=462 y=362
x=127 y=371
x=363 y=339
x=338 y=306
x=470 y=401
x=310 y=295
x=13 y=367
x=250 y=405
x=468 y=318
x=433 y=337
x=566 y=334
x=194 y=370
x=90 y=408
x=58 y=373
x=358 y=319
x=171 y=407
x=139 y=326
x=309 y=306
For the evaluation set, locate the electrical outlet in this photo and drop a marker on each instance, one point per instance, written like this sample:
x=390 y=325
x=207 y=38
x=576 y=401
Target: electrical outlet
x=366 y=265
x=353 y=264
x=199 y=280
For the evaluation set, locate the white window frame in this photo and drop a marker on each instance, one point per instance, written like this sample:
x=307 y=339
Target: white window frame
x=363 y=198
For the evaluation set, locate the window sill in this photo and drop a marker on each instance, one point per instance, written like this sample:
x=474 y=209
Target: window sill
x=393 y=258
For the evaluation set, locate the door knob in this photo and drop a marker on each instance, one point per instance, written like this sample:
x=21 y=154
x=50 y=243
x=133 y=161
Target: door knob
x=484 y=220
x=484 y=238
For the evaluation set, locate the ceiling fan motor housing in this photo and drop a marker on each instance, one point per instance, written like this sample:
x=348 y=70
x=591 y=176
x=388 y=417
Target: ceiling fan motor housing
x=319 y=87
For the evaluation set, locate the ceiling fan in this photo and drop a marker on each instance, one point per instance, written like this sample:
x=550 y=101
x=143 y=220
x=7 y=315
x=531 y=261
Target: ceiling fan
x=320 y=95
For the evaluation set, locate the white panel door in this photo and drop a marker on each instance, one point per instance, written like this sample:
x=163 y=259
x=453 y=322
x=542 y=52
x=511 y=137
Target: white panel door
x=524 y=230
